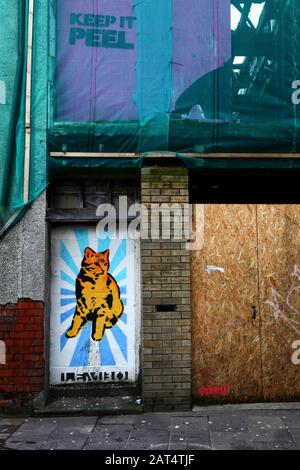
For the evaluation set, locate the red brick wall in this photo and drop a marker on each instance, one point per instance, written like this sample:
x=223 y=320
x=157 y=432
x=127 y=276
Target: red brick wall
x=22 y=330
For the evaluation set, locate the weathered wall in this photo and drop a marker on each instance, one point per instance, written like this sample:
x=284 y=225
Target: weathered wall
x=22 y=329
x=23 y=247
x=23 y=257
x=22 y=296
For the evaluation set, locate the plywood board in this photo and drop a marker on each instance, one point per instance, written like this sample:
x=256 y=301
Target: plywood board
x=226 y=339
x=279 y=268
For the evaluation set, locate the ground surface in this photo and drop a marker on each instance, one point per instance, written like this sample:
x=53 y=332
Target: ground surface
x=216 y=430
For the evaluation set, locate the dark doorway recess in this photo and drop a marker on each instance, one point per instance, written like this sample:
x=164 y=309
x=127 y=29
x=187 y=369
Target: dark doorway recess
x=245 y=187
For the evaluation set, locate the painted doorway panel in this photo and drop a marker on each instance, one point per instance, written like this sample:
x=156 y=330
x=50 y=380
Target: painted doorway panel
x=226 y=338
x=279 y=268
x=81 y=359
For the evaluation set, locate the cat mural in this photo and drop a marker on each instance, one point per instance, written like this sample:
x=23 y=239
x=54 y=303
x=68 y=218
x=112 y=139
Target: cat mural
x=97 y=295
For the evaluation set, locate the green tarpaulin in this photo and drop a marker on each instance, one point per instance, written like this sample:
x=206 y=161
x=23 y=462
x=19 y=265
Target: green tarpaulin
x=126 y=76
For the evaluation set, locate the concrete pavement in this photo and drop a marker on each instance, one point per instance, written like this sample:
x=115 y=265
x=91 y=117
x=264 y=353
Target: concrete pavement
x=216 y=429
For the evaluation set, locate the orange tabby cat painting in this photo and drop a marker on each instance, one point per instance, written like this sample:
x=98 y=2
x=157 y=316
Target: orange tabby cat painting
x=97 y=295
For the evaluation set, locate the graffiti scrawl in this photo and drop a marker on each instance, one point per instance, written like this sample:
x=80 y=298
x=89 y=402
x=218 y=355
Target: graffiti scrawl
x=282 y=304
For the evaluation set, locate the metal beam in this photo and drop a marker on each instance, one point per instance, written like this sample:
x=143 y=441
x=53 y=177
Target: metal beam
x=173 y=155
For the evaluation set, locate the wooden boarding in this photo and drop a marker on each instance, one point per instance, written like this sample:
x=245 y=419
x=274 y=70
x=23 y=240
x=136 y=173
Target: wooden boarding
x=226 y=346
x=279 y=261
x=258 y=246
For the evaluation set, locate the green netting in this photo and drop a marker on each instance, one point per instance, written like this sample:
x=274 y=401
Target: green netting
x=61 y=166
x=144 y=76
x=66 y=166
x=202 y=76
x=13 y=62
x=194 y=164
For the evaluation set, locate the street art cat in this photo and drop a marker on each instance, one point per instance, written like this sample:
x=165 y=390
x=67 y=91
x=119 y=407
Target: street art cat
x=97 y=295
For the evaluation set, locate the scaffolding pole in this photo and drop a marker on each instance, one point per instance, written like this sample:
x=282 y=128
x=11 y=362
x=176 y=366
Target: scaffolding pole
x=28 y=104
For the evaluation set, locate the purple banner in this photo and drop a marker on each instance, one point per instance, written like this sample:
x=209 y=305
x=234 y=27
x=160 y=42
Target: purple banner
x=201 y=40
x=96 y=54
x=98 y=51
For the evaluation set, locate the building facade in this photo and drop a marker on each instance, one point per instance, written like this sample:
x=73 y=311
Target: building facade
x=148 y=119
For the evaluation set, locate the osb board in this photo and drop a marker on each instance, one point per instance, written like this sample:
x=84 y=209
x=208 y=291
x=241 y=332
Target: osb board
x=279 y=264
x=226 y=340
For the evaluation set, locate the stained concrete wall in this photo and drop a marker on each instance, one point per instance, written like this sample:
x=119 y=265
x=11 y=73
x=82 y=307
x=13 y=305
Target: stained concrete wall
x=23 y=257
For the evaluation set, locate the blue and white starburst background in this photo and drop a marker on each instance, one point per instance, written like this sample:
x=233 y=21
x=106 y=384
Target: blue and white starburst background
x=117 y=350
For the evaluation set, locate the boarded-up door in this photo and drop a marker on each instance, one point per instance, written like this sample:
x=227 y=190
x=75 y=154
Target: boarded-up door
x=83 y=358
x=226 y=341
x=246 y=304
x=279 y=268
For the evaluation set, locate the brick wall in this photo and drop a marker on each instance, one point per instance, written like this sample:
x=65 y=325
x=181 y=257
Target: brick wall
x=165 y=281
x=22 y=330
